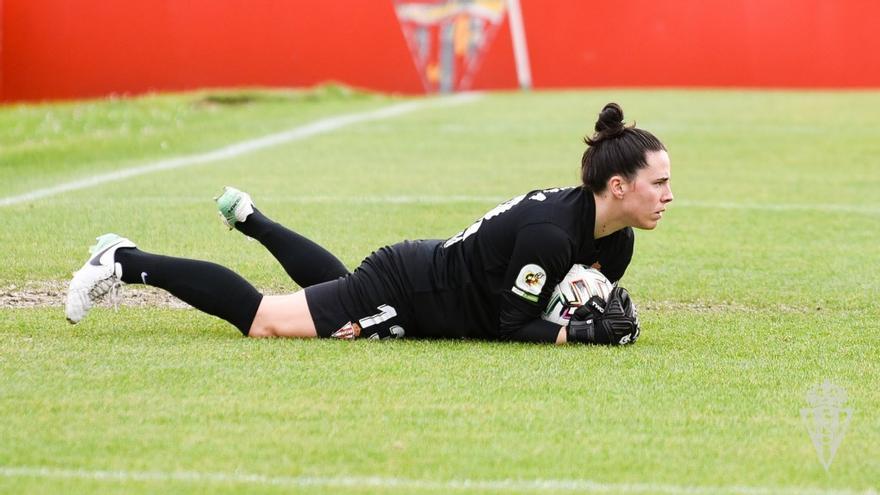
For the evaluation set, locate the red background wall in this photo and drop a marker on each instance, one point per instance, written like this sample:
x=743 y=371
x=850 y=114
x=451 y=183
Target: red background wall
x=66 y=49
x=742 y=43
x=61 y=49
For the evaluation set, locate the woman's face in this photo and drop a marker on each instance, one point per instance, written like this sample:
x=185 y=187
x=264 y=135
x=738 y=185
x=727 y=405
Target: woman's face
x=646 y=196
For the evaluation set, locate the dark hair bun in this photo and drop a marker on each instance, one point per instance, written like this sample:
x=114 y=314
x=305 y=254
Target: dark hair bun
x=610 y=119
x=609 y=125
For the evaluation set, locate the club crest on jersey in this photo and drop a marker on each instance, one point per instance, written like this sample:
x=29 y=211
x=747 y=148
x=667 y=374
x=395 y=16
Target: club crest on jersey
x=349 y=331
x=530 y=282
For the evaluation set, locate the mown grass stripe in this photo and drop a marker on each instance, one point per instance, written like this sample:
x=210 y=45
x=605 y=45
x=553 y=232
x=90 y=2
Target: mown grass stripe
x=321 y=126
x=867 y=209
x=507 y=485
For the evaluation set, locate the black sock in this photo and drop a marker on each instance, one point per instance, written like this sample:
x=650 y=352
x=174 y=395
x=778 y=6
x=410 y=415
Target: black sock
x=209 y=287
x=306 y=262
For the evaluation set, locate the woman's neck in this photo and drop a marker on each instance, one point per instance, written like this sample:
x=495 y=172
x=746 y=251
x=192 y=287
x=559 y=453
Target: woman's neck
x=608 y=216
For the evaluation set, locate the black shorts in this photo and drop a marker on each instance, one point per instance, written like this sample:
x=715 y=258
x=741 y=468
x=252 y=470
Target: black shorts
x=376 y=300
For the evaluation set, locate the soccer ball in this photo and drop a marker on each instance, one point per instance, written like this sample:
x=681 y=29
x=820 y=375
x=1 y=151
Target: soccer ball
x=577 y=287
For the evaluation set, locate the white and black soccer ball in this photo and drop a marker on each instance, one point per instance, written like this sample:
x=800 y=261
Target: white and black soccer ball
x=577 y=287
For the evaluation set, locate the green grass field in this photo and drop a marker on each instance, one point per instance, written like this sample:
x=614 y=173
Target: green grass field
x=761 y=282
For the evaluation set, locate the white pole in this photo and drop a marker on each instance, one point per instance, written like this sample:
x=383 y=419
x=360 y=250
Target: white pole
x=520 y=50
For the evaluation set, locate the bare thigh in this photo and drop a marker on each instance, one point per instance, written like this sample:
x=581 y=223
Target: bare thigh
x=284 y=316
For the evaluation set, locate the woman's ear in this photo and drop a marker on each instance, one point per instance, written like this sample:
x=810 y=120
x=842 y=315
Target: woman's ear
x=617 y=186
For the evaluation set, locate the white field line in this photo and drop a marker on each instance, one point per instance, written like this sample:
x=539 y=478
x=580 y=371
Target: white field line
x=505 y=485
x=262 y=199
x=321 y=126
x=867 y=209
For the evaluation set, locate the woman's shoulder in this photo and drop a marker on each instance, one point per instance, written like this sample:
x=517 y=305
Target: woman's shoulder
x=561 y=204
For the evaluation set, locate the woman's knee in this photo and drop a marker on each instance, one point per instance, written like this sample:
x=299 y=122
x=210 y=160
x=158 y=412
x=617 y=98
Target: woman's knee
x=259 y=331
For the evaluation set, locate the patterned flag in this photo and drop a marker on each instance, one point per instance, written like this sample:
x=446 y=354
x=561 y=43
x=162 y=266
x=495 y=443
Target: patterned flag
x=448 y=38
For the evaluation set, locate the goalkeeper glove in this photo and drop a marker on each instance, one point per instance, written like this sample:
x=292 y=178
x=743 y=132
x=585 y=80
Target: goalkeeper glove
x=613 y=321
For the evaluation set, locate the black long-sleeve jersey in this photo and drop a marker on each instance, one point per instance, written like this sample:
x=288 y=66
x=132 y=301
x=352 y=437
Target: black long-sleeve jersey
x=494 y=279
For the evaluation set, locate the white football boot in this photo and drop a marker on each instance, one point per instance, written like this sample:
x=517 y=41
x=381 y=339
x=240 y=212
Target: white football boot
x=99 y=276
x=234 y=206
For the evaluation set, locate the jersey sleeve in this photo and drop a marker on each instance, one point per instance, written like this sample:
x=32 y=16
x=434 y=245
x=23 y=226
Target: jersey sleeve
x=541 y=257
x=615 y=253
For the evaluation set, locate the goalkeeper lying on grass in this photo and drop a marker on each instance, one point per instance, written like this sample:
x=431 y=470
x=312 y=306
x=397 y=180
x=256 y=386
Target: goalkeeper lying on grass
x=491 y=281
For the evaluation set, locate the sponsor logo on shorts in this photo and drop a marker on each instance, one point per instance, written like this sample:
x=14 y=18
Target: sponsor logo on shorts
x=349 y=331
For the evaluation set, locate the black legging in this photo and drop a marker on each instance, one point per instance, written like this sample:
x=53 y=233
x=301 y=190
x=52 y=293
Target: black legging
x=219 y=291
x=306 y=262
